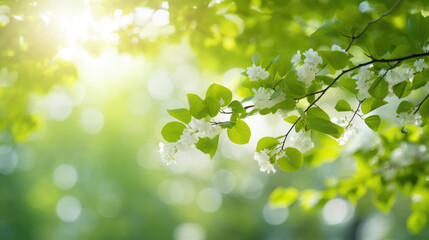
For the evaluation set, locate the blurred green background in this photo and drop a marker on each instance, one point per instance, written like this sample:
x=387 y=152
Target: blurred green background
x=81 y=123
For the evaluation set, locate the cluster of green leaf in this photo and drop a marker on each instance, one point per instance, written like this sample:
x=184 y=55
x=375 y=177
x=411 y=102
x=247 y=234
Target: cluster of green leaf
x=378 y=167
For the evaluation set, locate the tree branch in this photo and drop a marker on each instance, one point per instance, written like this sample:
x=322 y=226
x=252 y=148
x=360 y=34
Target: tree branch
x=372 y=22
x=420 y=104
x=355 y=113
x=323 y=91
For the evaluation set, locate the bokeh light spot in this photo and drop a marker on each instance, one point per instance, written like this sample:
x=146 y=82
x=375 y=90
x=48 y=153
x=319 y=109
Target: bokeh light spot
x=274 y=216
x=65 y=176
x=337 y=211
x=91 y=121
x=209 y=200
x=68 y=209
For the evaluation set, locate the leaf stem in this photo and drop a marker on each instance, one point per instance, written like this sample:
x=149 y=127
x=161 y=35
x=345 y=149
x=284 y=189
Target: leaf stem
x=353 y=38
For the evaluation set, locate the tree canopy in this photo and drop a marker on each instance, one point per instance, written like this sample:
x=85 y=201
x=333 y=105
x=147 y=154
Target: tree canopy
x=340 y=80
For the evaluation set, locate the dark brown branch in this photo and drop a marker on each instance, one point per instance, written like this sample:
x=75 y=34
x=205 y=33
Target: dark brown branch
x=400 y=59
x=372 y=22
x=420 y=104
x=355 y=113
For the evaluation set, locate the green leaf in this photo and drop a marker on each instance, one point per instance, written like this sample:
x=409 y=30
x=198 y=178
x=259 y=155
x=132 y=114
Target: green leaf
x=349 y=16
x=172 y=131
x=370 y=104
x=343 y=106
x=424 y=109
x=212 y=105
x=291 y=119
x=420 y=80
x=292 y=161
x=208 y=145
x=256 y=58
x=416 y=222
x=246 y=99
x=287 y=104
x=337 y=59
x=283 y=197
x=197 y=107
x=316 y=112
x=418 y=28
x=385 y=200
x=181 y=114
x=266 y=142
x=293 y=86
x=325 y=126
x=240 y=133
x=373 y=122
x=329 y=28
x=348 y=84
x=221 y=93
x=236 y=107
x=404 y=106
x=379 y=89
x=227 y=124
x=275 y=60
x=400 y=89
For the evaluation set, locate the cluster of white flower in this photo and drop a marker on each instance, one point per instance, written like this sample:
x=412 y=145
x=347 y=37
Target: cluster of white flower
x=409 y=118
x=257 y=72
x=335 y=47
x=307 y=71
x=199 y=128
x=204 y=129
x=402 y=157
x=396 y=76
x=4 y=19
x=420 y=65
x=7 y=78
x=363 y=83
x=263 y=160
x=349 y=131
x=167 y=153
x=262 y=98
x=300 y=141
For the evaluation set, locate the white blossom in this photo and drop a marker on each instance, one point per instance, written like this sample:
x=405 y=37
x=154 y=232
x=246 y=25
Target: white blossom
x=362 y=82
x=394 y=77
x=167 y=153
x=296 y=58
x=349 y=132
x=204 y=128
x=306 y=73
x=312 y=57
x=263 y=160
x=335 y=47
x=257 y=72
x=364 y=7
x=388 y=171
x=262 y=98
x=420 y=65
x=409 y=118
x=404 y=155
x=4 y=19
x=301 y=141
x=187 y=140
x=426 y=48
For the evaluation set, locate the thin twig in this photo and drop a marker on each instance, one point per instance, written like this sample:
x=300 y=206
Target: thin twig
x=397 y=60
x=420 y=104
x=355 y=113
x=372 y=22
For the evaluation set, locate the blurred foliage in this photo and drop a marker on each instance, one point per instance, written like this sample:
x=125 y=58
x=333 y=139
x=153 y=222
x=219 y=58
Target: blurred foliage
x=34 y=64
